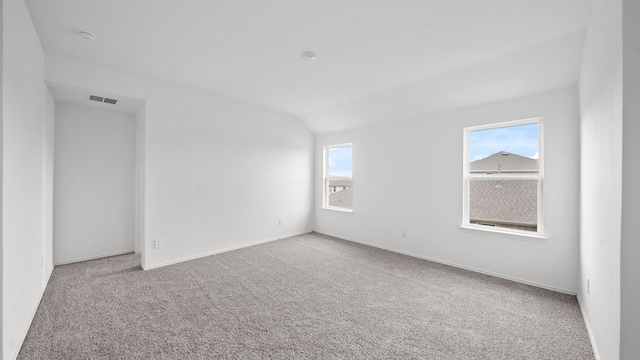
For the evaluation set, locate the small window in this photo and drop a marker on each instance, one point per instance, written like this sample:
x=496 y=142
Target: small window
x=338 y=182
x=503 y=177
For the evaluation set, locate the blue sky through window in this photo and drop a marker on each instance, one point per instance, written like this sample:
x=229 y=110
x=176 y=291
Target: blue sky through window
x=519 y=139
x=339 y=161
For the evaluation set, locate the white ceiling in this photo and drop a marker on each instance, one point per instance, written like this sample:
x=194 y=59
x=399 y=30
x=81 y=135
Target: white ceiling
x=250 y=49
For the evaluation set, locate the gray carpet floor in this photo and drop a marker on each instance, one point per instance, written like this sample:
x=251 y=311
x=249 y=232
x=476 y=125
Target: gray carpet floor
x=309 y=296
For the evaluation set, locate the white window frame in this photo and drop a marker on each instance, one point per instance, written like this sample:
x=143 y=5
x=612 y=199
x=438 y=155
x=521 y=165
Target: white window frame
x=467 y=177
x=326 y=178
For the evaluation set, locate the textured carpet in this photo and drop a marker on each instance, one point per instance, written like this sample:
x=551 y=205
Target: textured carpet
x=309 y=296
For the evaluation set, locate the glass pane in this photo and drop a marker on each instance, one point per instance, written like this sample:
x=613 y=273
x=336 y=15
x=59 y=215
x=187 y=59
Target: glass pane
x=339 y=161
x=504 y=203
x=339 y=191
x=511 y=149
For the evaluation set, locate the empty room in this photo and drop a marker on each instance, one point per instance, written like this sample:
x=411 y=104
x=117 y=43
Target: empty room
x=320 y=179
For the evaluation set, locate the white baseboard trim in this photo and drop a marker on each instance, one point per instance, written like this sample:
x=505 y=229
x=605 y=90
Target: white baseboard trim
x=23 y=337
x=591 y=337
x=93 y=257
x=564 y=291
x=172 y=262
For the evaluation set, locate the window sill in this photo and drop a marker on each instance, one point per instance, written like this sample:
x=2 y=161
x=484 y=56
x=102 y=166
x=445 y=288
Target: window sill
x=348 y=211
x=535 y=237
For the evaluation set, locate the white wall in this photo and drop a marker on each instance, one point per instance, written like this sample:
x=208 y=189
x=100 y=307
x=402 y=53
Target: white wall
x=630 y=246
x=139 y=190
x=1 y=178
x=218 y=174
x=27 y=109
x=49 y=161
x=418 y=163
x=601 y=175
x=95 y=159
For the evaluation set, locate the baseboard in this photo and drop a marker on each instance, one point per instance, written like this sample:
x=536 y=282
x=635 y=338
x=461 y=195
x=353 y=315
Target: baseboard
x=93 y=257
x=586 y=322
x=177 y=261
x=33 y=315
x=543 y=286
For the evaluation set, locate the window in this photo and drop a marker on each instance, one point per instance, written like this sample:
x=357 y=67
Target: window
x=338 y=184
x=503 y=177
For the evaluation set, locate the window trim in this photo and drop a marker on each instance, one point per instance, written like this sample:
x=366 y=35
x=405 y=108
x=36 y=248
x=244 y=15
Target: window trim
x=467 y=176
x=326 y=178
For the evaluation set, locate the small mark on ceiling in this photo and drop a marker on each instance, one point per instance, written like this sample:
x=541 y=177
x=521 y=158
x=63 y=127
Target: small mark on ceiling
x=87 y=35
x=309 y=55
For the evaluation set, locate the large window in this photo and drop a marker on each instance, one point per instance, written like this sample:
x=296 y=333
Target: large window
x=503 y=177
x=338 y=182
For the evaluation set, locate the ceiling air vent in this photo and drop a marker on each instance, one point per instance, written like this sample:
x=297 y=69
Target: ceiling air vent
x=103 y=99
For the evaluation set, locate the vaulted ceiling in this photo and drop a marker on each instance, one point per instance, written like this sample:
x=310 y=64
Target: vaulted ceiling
x=377 y=60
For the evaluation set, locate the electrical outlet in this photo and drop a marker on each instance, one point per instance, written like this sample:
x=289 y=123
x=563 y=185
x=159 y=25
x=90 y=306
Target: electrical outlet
x=280 y=222
x=588 y=286
x=388 y=231
x=158 y=243
x=403 y=233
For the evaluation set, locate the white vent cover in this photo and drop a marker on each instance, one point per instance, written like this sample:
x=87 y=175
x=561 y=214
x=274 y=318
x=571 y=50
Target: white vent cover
x=102 y=99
